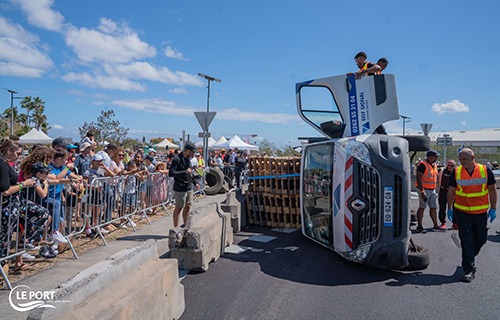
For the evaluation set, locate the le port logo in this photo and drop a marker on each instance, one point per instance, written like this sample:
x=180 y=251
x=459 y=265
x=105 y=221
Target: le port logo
x=22 y=299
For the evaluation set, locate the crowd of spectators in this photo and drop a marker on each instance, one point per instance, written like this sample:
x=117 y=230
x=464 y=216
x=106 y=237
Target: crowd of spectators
x=54 y=187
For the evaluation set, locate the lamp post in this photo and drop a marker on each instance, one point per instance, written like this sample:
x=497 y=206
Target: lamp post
x=405 y=120
x=12 y=93
x=205 y=136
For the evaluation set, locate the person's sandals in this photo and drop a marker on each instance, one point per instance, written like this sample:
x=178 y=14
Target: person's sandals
x=19 y=266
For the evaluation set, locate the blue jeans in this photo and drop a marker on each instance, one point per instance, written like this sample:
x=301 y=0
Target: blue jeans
x=57 y=209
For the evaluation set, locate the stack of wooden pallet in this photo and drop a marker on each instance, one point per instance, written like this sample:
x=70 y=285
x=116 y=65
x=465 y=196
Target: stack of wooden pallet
x=273 y=192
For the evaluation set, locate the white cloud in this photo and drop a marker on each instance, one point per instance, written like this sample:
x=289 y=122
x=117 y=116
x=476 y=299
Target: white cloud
x=110 y=42
x=172 y=53
x=146 y=71
x=233 y=114
x=22 y=53
x=104 y=81
x=453 y=106
x=156 y=106
x=57 y=127
x=178 y=91
x=76 y=92
x=41 y=15
x=464 y=123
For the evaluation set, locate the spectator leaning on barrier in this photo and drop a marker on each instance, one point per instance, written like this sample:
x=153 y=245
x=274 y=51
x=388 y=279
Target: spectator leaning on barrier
x=82 y=161
x=152 y=153
x=55 y=199
x=11 y=206
x=181 y=171
x=95 y=197
x=110 y=188
x=473 y=194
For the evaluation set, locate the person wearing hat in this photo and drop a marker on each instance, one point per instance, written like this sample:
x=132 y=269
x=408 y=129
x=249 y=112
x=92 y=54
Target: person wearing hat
x=472 y=198
x=152 y=153
x=95 y=198
x=82 y=160
x=365 y=67
x=426 y=184
x=180 y=169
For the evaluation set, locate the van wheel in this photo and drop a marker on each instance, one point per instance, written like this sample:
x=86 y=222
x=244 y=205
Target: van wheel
x=418 y=143
x=418 y=258
x=214 y=179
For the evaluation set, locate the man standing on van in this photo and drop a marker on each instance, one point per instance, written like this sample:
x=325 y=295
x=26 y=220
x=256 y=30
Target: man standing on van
x=427 y=174
x=473 y=193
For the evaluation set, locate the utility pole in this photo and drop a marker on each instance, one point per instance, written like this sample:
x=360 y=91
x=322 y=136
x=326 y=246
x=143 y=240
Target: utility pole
x=206 y=118
x=12 y=93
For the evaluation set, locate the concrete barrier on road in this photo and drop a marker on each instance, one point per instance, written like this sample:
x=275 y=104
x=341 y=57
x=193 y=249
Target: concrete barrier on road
x=208 y=231
x=235 y=204
x=131 y=284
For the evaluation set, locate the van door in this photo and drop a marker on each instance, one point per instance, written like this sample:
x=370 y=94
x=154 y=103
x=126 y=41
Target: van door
x=342 y=106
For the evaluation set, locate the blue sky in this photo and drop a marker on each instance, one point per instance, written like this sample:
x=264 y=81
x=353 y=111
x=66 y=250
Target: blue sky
x=141 y=59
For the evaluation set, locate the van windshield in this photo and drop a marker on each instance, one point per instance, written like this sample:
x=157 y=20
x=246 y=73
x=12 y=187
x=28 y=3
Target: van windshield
x=316 y=192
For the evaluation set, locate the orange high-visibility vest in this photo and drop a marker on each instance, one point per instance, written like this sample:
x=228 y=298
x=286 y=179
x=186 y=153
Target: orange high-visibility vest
x=471 y=194
x=364 y=67
x=429 y=179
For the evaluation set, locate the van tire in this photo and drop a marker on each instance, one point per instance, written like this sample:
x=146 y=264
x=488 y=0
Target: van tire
x=418 y=143
x=418 y=259
x=214 y=180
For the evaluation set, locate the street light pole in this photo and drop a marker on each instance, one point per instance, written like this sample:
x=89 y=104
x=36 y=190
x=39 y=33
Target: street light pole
x=405 y=120
x=12 y=92
x=205 y=136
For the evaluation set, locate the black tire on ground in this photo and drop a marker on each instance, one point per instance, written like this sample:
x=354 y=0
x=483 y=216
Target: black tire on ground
x=418 y=259
x=418 y=143
x=214 y=180
x=226 y=185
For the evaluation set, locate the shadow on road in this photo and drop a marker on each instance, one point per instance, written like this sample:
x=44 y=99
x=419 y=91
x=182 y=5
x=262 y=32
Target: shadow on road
x=142 y=237
x=494 y=238
x=296 y=258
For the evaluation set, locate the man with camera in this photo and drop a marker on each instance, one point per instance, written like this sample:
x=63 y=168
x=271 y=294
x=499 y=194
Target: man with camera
x=184 y=181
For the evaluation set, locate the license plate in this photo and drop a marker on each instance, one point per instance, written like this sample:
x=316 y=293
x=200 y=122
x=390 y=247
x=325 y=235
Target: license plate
x=388 y=206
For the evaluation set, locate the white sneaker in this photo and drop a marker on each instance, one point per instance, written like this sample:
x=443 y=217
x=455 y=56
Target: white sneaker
x=104 y=231
x=54 y=249
x=59 y=238
x=28 y=257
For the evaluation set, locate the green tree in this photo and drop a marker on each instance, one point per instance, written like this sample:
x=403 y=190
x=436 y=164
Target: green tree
x=288 y=151
x=268 y=147
x=105 y=128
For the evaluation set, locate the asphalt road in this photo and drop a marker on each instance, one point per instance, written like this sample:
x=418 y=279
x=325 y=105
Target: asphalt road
x=291 y=277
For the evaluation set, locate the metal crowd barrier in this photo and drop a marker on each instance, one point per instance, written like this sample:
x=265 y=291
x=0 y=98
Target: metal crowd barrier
x=26 y=218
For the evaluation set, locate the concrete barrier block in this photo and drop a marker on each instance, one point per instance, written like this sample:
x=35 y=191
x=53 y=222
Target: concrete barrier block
x=132 y=284
x=206 y=234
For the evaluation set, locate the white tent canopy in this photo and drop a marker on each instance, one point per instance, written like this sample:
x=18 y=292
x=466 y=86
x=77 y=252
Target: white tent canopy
x=35 y=137
x=166 y=144
x=211 y=142
x=236 y=142
x=221 y=140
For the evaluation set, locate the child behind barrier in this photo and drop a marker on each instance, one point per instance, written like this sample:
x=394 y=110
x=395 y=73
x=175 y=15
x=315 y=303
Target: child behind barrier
x=96 y=191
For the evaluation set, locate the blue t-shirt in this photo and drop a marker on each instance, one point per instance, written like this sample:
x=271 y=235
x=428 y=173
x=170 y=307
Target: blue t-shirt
x=55 y=189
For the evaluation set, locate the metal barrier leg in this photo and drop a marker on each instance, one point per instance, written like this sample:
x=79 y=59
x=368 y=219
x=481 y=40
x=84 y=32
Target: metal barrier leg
x=4 y=276
x=101 y=236
x=72 y=248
